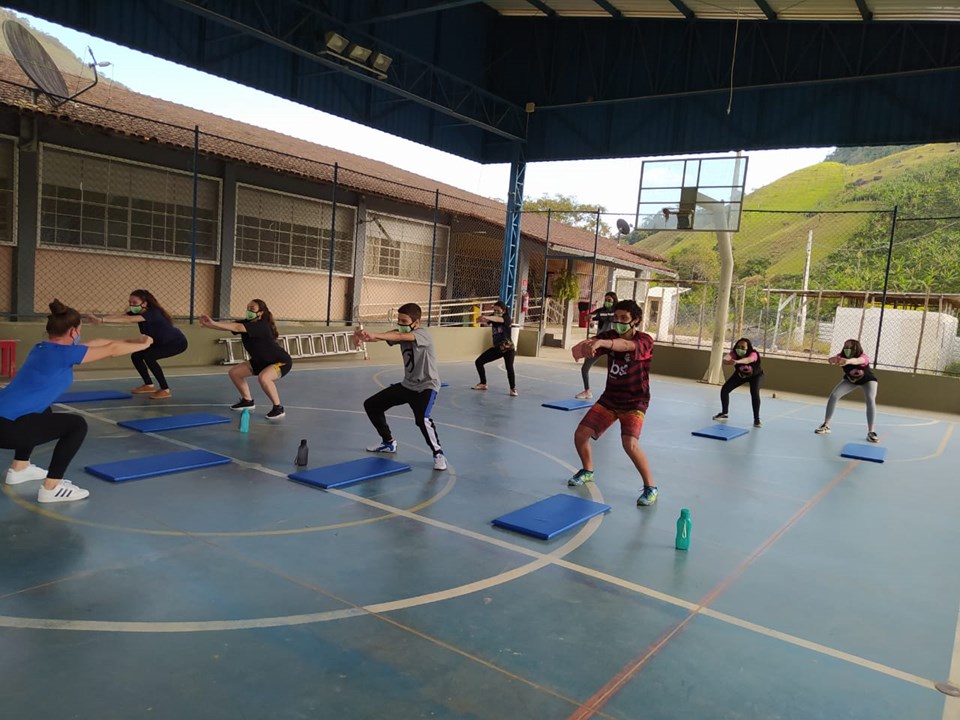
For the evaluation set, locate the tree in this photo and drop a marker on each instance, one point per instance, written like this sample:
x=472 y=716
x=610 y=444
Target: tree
x=567 y=210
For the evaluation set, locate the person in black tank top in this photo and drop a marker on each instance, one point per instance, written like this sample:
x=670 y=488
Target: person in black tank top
x=746 y=369
x=499 y=320
x=268 y=361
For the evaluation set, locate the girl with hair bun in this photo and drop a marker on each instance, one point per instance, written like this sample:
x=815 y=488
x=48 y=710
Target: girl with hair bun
x=155 y=322
x=25 y=417
x=499 y=321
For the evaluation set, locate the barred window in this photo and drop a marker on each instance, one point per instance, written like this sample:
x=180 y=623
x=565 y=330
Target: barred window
x=7 y=173
x=100 y=202
x=275 y=228
x=401 y=248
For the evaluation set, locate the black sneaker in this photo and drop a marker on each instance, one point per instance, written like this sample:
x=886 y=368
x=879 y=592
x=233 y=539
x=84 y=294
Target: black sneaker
x=276 y=413
x=757 y=423
x=250 y=404
x=720 y=416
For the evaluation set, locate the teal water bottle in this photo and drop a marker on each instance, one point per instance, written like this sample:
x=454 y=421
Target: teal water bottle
x=683 y=529
x=245 y=420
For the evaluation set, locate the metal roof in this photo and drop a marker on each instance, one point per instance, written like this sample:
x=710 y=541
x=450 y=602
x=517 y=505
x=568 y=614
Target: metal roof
x=576 y=79
x=803 y=10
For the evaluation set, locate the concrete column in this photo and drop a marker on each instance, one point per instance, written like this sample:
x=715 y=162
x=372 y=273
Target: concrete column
x=25 y=253
x=228 y=242
x=359 y=255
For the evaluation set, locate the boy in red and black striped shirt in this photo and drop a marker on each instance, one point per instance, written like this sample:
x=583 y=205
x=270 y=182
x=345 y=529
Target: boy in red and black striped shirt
x=625 y=398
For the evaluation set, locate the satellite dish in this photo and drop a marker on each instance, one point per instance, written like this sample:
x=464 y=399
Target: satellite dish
x=37 y=64
x=623 y=226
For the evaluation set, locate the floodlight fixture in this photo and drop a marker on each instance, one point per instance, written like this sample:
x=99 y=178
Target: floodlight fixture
x=358 y=53
x=380 y=62
x=335 y=42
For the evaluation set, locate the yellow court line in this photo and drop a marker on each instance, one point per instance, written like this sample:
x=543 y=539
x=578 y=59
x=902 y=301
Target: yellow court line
x=951 y=705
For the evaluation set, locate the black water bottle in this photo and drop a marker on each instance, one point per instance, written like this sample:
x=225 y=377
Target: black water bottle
x=302 y=454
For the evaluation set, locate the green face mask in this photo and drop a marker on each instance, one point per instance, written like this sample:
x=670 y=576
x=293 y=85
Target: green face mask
x=251 y=315
x=404 y=328
x=741 y=352
x=608 y=304
x=847 y=352
x=621 y=328
x=136 y=309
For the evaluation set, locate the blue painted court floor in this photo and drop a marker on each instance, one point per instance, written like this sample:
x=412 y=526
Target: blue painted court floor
x=815 y=586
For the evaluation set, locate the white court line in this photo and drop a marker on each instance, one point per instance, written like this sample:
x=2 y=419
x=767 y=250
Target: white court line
x=951 y=705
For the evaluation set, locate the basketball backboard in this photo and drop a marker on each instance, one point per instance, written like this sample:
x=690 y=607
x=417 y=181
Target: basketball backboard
x=704 y=194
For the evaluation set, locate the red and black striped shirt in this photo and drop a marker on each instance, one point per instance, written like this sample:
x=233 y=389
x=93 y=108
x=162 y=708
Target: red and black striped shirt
x=628 y=373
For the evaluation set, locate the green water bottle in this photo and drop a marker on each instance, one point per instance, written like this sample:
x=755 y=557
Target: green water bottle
x=683 y=529
x=245 y=420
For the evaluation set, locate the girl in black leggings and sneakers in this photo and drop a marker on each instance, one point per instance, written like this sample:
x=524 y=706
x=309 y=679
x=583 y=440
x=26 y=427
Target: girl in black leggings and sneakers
x=25 y=417
x=499 y=320
x=746 y=369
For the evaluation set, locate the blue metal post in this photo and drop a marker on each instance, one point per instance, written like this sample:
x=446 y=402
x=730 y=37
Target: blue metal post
x=433 y=253
x=333 y=232
x=193 y=222
x=511 y=239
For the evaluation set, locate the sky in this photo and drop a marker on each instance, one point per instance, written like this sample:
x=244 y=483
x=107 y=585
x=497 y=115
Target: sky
x=613 y=184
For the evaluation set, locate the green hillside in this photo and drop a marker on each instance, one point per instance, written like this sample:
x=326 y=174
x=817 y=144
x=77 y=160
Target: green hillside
x=828 y=201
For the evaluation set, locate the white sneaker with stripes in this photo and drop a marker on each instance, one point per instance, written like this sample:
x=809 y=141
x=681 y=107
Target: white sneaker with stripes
x=65 y=491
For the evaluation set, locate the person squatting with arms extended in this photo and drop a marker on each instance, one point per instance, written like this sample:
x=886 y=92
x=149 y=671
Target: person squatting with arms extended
x=625 y=398
x=603 y=316
x=500 y=324
x=418 y=389
x=25 y=417
x=856 y=374
x=746 y=369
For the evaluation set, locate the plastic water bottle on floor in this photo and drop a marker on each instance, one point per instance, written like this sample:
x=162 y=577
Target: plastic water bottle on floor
x=302 y=454
x=245 y=420
x=683 y=529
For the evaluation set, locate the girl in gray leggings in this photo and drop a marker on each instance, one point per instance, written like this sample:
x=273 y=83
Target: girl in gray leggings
x=856 y=373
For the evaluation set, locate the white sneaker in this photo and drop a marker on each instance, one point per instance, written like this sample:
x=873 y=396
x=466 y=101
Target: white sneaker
x=65 y=491
x=30 y=472
x=585 y=395
x=439 y=462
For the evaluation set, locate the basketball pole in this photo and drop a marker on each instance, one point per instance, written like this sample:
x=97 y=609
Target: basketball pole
x=714 y=373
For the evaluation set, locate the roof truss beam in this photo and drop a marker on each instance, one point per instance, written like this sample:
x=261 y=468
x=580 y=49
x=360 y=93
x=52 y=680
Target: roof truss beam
x=767 y=10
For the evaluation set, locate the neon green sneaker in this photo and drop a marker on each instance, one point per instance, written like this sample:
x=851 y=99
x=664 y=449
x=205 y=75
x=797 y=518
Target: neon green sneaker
x=582 y=477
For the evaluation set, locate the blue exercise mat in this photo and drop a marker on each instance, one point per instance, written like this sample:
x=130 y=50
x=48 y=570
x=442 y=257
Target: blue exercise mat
x=550 y=517
x=857 y=451
x=348 y=473
x=145 y=467
x=720 y=432
x=574 y=404
x=173 y=422
x=92 y=395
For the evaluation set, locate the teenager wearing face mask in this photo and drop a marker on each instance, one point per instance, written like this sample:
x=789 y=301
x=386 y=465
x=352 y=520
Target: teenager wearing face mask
x=268 y=361
x=155 y=322
x=25 y=417
x=499 y=320
x=625 y=397
x=418 y=389
x=746 y=368
x=856 y=373
x=603 y=316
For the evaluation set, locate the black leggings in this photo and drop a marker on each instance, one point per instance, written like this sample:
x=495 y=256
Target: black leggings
x=735 y=381
x=494 y=353
x=420 y=402
x=28 y=431
x=147 y=359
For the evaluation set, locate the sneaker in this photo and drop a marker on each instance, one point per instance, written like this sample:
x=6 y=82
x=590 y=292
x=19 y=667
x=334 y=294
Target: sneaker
x=389 y=447
x=243 y=404
x=161 y=394
x=585 y=395
x=757 y=424
x=823 y=430
x=65 y=491
x=30 y=472
x=582 y=477
x=439 y=462
x=513 y=392
x=648 y=496
x=871 y=437
x=143 y=389
x=720 y=416
x=479 y=386
x=276 y=412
